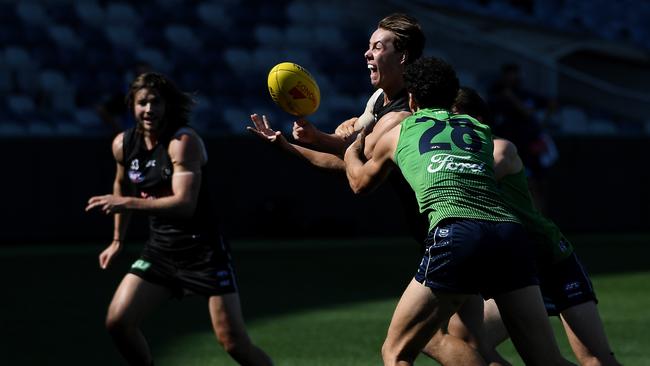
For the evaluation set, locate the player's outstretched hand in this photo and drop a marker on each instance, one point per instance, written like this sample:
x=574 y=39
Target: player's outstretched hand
x=346 y=129
x=108 y=203
x=304 y=132
x=263 y=129
x=106 y=256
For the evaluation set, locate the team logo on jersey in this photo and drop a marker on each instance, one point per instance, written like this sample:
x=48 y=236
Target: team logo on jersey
x=150 y=163
x=454 y=163
x=135 y=176
x=135 y=164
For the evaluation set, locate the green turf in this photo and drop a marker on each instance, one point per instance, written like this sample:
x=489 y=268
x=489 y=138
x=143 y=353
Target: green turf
x=307 y=302
x=624 y=300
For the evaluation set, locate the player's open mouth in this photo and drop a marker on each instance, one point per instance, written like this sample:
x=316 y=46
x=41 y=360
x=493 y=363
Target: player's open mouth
x=149 y=121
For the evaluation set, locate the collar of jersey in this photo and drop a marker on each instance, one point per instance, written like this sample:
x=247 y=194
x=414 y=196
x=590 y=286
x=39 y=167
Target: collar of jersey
x=435 y=111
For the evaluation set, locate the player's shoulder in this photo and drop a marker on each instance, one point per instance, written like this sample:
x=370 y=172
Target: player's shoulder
x=118 y=140
x=506 y=158
x=505 y=147
x=118 y=147
x=185 y=135
x=393 y=118
x=387 y=144
x=186 y=142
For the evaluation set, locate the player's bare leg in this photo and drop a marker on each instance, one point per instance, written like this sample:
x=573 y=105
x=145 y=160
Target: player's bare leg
x=458 y=345
x=228 y=325
x=134 y=299
x=493 y=333
x=522 y=310
x=420 y=313
x=467 y=323
x=586 y=334
x=450 y=350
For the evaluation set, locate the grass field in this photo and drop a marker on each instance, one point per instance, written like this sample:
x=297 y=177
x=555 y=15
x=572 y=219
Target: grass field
x=307 y=302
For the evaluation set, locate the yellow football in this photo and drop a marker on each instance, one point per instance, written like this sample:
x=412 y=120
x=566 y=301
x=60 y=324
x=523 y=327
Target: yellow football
x=294 y=89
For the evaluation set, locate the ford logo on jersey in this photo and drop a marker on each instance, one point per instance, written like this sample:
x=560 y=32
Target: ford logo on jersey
x=452 y=163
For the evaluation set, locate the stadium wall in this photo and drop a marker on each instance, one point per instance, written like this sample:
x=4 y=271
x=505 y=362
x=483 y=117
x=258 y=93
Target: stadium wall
x=599 y=184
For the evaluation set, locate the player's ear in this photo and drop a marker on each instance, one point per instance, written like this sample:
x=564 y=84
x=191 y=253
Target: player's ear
x=413 y=105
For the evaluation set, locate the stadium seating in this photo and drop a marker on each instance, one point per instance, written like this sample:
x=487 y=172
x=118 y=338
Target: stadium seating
x=60 y=59
x=90 y=13
x=573 y=120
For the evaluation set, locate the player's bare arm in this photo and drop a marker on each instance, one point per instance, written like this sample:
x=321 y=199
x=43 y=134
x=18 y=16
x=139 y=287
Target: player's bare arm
x=346 y=128
x=121 y=221
x=364 y=176
x=263 y=130
x=306 y=133
x=385 y=124
x=186 y=154
x=506 y=159
x=336 y=143
x=352 y=126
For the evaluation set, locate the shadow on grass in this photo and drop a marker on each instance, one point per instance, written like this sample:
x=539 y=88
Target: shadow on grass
x=54 y=305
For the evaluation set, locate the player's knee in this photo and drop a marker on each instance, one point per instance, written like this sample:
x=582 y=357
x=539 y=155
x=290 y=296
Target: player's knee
x=385 y=350
x=390 y=353
x=116 y=323
x=233 y=342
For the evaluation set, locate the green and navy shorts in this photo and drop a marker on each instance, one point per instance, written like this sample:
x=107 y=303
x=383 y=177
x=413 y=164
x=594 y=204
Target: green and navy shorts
x=468 y=256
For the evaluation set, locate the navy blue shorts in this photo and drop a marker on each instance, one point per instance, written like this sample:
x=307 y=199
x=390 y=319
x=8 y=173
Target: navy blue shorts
x=469 y=256
x=204 y=270
x=565 y=284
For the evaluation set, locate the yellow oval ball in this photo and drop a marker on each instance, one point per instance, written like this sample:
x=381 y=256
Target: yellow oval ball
x=294 y=89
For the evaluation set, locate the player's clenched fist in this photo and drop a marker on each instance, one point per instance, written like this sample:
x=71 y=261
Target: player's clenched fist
x=304 y=131
x=346 y=129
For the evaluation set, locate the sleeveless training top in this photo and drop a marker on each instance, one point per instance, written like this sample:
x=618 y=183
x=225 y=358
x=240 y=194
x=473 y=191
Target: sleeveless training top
x=150 y=171
x=417 y=223
x=542 y=231
x=448 y=162
x=399 y=104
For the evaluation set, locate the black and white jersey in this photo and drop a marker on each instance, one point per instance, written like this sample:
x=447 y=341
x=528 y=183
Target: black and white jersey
x=399 y=104
x=417 y=223
x=150 y=172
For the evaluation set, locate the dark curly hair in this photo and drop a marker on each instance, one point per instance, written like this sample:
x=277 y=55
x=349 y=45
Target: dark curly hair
x=409 y=37
x=468 y=101
x=178 y=104
x=432 y=82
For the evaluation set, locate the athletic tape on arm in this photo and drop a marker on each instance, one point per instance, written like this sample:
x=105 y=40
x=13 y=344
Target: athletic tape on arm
x=368 y=118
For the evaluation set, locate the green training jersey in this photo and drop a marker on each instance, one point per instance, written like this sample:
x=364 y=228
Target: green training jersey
x=542 y=231
x=448 y=162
